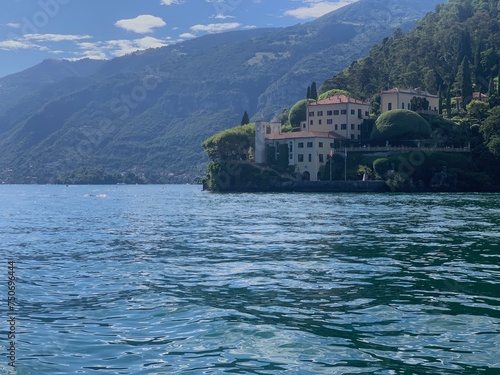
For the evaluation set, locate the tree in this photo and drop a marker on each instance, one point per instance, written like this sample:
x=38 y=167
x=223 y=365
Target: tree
x=298 y=113
x=233 y=144
x=314 y=91
x=308 y=95
x=245 y=120
x=490 y=129
x=466 y=82
x=448 y=103
x=477 y=109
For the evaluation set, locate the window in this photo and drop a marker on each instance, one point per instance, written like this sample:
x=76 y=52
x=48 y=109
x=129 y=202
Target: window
x=389 y=106
x=360 y=113
x=403 y=105
x=319 y=122
x=301 y=158
x=343 y=112
x=353 y=112
x=336 y=126
x=291 y=156
x=291 y=146
x=321 y=158
x=343 y=126
x=336 y=112
x=309 y=144
x=359 y=127
x=329 y=121
x=367 y=113
x=352 y=136
x=332 y=145
x=320 y=144
x=320 y=113
x=329 y=113
x=310 y=158
x=310 y=122
x=311 y=114
x=300 y=145
x=303 y=126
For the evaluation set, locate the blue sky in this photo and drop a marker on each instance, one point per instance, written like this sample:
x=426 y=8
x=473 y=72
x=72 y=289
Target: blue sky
x=34 y=30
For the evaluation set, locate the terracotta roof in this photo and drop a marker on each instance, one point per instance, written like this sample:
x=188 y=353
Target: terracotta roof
x=305 y=134
x=336 y=99
x=410 y=91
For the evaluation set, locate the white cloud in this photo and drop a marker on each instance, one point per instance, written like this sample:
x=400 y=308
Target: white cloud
x=142 y=24
x=222 y=17
x=115 y=48
x=215 y=27
x=35 y=41
x=13 y=25
x=12 y=45
x=55 y=37
x=187 y=36
x=317 y=8
x=170 y=2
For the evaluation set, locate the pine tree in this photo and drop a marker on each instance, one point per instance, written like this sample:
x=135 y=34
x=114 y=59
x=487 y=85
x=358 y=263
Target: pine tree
x=314 y=91
x=245 y=120
x=466 y=83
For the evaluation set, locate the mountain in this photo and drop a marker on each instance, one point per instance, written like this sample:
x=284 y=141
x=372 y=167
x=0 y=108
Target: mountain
x=148 y=112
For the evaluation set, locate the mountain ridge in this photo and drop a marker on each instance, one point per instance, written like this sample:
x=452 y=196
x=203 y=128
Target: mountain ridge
x=148 y=112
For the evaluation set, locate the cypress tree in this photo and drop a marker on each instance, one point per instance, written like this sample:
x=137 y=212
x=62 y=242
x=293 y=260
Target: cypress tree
x=498 y=85
x=245 y=120
x=448 y=103
x=308 y=96
x=466 y=83
x=314 y=91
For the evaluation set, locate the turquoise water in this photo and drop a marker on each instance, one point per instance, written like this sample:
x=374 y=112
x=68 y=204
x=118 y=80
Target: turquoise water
x=169 y=279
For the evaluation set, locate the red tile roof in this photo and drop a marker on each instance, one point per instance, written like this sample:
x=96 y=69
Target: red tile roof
x=337 y=99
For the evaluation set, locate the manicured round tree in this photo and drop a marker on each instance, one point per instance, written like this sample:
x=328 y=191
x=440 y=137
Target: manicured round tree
x=334 y=92
x=298 y=113
x=399 y=125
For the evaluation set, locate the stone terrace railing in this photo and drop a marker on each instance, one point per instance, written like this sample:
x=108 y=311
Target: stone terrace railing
x=404 y=149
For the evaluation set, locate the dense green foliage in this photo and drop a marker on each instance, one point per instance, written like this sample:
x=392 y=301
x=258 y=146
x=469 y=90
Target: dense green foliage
x=95 y=176
x=234 y=144
x=453 y=52
x=298 y=113
x=334 y=92
x=430 y=56
x=400 y=124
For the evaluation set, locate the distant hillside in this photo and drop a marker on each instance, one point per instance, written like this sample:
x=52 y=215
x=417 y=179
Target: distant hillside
x=149 y=112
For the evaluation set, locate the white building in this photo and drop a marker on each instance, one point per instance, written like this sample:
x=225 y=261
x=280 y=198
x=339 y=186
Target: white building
x=307 y=151
x=398 y=98
x=339 y=114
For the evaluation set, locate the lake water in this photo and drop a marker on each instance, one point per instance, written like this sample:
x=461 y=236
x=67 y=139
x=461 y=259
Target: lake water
x=169 y=279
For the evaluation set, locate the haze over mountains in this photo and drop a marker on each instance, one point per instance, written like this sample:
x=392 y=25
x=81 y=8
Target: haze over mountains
x=149 y=112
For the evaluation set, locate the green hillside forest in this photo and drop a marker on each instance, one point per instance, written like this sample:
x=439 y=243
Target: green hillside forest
x=453 y=52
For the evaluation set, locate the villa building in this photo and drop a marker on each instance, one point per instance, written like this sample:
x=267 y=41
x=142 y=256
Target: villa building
x=339 y=114
x=413 y=99
x=329 y=123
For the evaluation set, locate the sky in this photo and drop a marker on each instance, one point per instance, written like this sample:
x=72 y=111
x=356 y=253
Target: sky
x=34 y=30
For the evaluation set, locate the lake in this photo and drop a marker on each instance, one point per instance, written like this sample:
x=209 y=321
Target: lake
x=170 y=279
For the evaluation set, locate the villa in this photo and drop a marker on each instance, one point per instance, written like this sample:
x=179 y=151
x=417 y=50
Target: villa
x=330 y=124
x=413 y=99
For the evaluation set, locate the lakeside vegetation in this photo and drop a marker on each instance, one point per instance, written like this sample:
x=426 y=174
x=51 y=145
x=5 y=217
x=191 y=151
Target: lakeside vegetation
x=453 y=52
